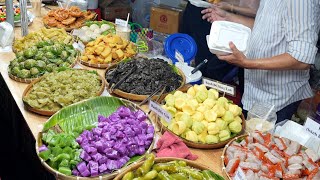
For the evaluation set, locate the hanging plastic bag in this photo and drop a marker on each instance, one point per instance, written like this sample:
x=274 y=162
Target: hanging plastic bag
x=141 y=11
x=6 y=35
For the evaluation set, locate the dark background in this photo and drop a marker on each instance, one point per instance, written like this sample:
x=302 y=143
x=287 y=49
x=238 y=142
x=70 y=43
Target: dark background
x=18 y=159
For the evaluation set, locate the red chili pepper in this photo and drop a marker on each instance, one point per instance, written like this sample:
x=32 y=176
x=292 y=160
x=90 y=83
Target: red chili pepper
x=305 y=172
x=267 y=139
x=235 y=166
x=226 y=160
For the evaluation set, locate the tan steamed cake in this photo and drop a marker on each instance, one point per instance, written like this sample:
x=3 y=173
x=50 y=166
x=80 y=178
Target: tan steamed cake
x=60 y=89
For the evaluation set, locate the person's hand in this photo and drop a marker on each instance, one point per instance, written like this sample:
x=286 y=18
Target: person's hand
x=224 y=5
x=236 y=58
x=214 y=14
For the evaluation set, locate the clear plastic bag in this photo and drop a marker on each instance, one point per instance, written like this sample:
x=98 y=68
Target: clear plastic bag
x=141 y=11
x=155 y=48
x=296 y=132
x=261 y=117
x=6 y=34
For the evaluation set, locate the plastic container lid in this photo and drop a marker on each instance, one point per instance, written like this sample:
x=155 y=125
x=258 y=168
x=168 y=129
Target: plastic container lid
x=223 y=32
x=190 y=78
x=201 y=4
x=182 y=43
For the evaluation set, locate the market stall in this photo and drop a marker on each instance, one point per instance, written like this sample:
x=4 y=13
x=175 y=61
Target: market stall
x=83 y=89
x=210 y=158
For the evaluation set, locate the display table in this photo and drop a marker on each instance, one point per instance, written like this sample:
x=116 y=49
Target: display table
x=210 y=158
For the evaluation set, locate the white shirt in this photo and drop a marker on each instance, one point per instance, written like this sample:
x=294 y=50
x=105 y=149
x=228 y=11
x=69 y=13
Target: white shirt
x=282 y=26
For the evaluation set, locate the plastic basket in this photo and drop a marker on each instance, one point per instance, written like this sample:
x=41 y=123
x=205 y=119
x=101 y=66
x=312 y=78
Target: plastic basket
x=140 y=33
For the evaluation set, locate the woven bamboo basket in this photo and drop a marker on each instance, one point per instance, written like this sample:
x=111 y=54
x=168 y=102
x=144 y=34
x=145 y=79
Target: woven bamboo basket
x=29 y=80
x=163 y=160
x=112 y=175
x=136 y=97
x=224 y=152
x=99 y=66
x=46 y=112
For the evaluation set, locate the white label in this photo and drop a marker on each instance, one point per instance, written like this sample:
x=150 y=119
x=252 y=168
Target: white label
x=75 y=45
x=240 y=175
x=179 y=56
x=220 y=86
x=121 y=22
x=79 y=46
x=312 y=127
x=156 y=108
x=156 y=139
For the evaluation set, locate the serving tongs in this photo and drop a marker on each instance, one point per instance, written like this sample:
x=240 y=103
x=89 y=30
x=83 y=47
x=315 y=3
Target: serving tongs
x=112 y=86
x=162 y=88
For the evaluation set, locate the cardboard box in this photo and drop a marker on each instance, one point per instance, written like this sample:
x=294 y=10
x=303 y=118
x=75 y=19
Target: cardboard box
x=165 y=20
x=117 y=9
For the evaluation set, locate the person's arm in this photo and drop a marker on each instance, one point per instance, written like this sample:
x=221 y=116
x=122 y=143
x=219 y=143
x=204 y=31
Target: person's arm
x=281 y=62
x=301 y=36
x=245 y=11
x=249 y=22
x=217 y=14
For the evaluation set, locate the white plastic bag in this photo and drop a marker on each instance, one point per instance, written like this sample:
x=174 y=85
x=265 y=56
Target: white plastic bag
x=296 y=132
x=6 y=34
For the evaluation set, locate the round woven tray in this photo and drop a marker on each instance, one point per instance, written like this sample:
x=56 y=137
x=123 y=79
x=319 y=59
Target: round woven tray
x=67 y=29
x=136 y=97
x=70 y=29
x=163 y=160
x=46 y=112
x=61 y=176
x=224 y=152
x=201 y=145
x=29 y=80
x=99 y=66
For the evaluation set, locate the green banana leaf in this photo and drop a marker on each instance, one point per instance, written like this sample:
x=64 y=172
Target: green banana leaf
x=83 y=114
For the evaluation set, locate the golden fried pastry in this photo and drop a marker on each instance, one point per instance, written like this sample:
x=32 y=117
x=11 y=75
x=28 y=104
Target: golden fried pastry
x=81 y=19
x=68 y=21
x=89 y=15
x=60 y=25
x=61 y=14
x=52 y=22
x=51 y=13
x=75 y=25
x=67 y=18
x=75 y=11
